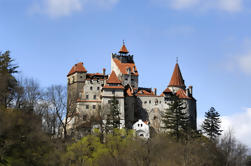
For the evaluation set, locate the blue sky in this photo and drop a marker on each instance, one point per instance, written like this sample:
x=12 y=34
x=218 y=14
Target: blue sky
x=212 y=39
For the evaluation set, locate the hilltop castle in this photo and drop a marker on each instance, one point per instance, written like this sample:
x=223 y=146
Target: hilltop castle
x=94 y=91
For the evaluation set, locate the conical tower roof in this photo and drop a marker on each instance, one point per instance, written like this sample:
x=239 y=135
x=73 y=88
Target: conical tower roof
x=123 y=49
x=177 y=79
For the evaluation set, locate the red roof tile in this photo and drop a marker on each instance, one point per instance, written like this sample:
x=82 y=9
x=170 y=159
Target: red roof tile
x=167 y=90
x=113 y=79
x=79 y=67
x=182 y=94
x=177 y=79
x=145 y=93
x=124 y=66
x=113 y=87
x=123 y=49
x=129 y=92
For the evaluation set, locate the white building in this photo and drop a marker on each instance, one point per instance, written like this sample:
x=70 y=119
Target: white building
x=142 y=129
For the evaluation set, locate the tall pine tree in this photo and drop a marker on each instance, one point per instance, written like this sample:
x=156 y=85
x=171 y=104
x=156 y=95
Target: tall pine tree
x=113 y=117
x=8 y=82
x=211 y=124
x=175 y=119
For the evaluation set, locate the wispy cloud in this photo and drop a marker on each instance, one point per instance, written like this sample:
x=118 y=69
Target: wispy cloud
x=59 y=8
x=240 y=62
x=222 y=5
x=240 y=124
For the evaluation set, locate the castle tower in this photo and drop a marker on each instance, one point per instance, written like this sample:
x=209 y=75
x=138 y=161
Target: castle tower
x=124 y=67
x=177 y=87
x=76 y=79
x=113 y=88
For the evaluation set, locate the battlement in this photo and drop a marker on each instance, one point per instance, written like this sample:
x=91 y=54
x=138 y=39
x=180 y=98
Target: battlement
x=123 y=58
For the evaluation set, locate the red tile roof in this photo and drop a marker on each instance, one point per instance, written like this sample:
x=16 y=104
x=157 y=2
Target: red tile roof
x=167 y=90
x=113 y=79
x=123 y=49
x=182 y=94
x=79 y=67
x=113 y=87
x=177 y=79
x=145 y=93
x=129 y=92
x=124 y=66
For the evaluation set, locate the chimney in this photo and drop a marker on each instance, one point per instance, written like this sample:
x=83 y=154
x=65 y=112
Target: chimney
x=190 y=90
x=155 y=91
x=187 y=92
x=103 y=71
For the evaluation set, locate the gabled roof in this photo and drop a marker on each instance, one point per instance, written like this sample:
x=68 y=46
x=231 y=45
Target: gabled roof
x=113 y=79
x=167 y=90
x=177 y=79
x=113 y=87
x=182 y=94
x=123 y=67
x=144 y=93
x=123 y=49
x=79 y=67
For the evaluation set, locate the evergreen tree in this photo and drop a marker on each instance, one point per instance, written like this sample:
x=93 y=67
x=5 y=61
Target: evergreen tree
x=211 y=124
x=8 y=83
x=113 y=118
x=175 y=120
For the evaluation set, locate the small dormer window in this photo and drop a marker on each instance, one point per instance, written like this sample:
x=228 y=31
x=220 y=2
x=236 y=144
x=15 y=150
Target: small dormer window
x=129 y=70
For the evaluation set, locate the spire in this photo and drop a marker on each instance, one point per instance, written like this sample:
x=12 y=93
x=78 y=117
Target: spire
x=123 y=49
x=177 y=79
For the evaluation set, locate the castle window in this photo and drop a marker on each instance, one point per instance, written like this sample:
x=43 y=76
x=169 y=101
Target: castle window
x=91 y=88
x=97 y=88
x=87 y=106
x=94 y=97
x=113 y=92
x=81 y=77
x=149 y=101
x=145 y=102
x=94 y=107
x=132 y=79
x=87 y=96
x=84 y=117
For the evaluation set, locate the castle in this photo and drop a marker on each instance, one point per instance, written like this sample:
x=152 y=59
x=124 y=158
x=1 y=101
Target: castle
x=95 y=91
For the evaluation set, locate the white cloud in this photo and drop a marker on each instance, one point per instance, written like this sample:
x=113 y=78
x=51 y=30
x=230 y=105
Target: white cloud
x=239 y=63
x=244 y=63
x=240 y=124
x=182 y=4
x=59 y=8
x=230 y=5
x=222 y=5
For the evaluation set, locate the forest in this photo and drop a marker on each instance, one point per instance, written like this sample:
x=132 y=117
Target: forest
x=34 y=121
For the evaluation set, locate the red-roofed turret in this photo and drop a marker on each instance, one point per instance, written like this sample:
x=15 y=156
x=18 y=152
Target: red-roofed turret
x=123 y=49
x=77 y=68
x=177 y=79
